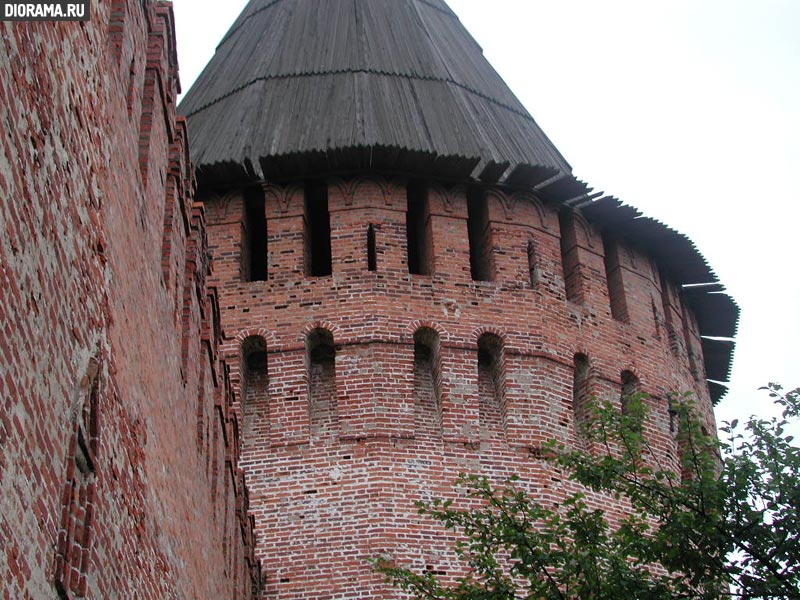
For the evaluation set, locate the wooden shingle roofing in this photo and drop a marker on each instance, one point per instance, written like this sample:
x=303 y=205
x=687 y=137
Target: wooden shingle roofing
x=302 y=88
x=333 y=85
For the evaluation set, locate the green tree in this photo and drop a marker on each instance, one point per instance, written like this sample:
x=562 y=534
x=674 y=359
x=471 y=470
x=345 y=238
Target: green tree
x=726 y=527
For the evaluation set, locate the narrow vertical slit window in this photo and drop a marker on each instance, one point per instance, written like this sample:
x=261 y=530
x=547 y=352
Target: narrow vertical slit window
x=616 y=286
x=656 y=318
x=322 y=383
x=573 y=286
x=426 y=388
x=254 y=248
x=630 y=387
x=89 y=427
x=480 y=251
x=581 y=393
x=669 y=311
x=317 y=230
x=418 y=234
x=255 y=388
x=490 y=387
x=533 y=271
x=372 y=253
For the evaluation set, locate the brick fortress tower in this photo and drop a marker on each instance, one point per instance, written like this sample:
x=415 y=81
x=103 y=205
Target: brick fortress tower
x=412 y=284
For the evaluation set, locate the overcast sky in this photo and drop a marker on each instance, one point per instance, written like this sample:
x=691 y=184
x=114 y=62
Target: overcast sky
x=686 y=109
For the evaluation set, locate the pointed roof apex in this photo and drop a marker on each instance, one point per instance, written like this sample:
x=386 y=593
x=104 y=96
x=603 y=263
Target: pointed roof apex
x=313 y=86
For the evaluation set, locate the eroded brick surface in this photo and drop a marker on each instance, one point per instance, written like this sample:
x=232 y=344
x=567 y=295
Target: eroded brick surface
x=104 y=303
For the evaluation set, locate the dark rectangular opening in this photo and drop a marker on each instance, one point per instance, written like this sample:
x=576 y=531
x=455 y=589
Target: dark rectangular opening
x=418 y=230
x=322 y=399
x=573 y=285
x=317 y=230
x=427 y=403
x=533 y=270
x=616 y=287
x=670 y=311
x=372 y=256
x=254 y=261
x=581 y=390
x=480 y=262
x=491 y=409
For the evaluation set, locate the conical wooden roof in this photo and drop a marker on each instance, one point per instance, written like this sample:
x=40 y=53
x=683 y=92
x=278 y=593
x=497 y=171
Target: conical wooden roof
x=332 y=85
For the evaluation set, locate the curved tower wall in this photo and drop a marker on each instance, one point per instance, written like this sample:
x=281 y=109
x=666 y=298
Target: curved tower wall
x=370 y=388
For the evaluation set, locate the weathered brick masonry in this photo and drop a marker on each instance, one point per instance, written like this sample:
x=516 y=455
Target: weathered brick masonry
x=367 y=390
x=388 y=276
x=118 y=448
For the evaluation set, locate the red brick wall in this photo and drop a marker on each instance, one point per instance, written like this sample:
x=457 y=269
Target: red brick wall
x=118 y=447
x=326 y=501
x=120 y=430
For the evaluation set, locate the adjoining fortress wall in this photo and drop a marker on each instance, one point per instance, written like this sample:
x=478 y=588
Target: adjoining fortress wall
x=118 y=455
